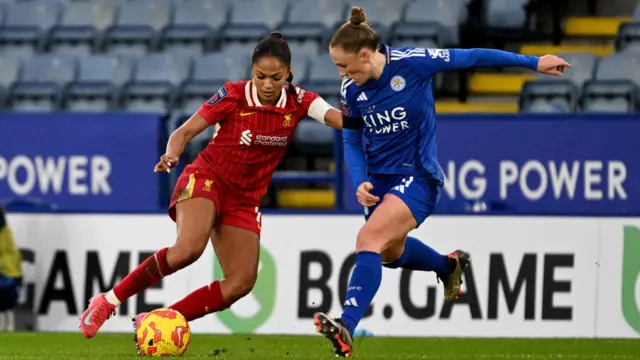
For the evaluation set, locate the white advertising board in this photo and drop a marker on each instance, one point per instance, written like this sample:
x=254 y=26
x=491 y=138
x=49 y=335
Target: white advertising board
x=530 y=277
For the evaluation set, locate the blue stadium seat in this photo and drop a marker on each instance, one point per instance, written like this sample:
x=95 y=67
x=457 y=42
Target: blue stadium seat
x=312 y=19
x=548 y=96
x=81 y=26
x=380 y=12
x=10 y=70
x=609 y=96
x=137 y=26
x=448 y=14
x=506 y=14
x=412 y=33
x=251 y=20
x=28 y=23
x=628 y=37
x=582 y=70
x=194 y=25
x=155 y=81
x=314 y=138
x=636 y=14
x=619 y=66
x=308 y=49
x=324 y=78
x=210 y=72
x=43 y=81
x=300 y=68
x=99 y=82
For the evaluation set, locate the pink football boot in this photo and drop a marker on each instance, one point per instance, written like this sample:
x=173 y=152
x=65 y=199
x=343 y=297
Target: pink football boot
x=97 y=313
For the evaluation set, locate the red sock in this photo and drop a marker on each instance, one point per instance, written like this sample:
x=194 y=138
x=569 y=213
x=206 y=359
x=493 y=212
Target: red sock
x=152 y=270
x=199 y=303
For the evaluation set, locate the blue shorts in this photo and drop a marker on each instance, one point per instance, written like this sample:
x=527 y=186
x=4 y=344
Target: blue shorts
x=9 y=292
x=419 y=193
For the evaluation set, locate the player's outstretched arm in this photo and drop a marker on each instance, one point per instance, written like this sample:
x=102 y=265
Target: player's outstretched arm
x=333 y=118
x=179 y=140
x=439 y=60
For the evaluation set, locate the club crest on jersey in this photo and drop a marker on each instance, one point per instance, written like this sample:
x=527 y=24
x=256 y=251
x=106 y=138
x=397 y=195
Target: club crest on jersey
x=345 y=109
x=217 y=97
x=287 y=120
x=398 y=83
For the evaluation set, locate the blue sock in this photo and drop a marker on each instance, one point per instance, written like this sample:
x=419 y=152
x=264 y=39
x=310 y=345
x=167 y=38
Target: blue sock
x=419 y=256
x=364 y=283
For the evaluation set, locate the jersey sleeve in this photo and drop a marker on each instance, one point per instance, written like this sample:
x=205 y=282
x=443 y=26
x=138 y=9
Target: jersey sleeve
x=433 y=61
x=351 y=118
x=220 y=105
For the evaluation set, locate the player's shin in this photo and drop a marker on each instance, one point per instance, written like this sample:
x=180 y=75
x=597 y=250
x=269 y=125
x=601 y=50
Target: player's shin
x=419 y=256
x=201 y=302
x=364 y=283
x=152 y=270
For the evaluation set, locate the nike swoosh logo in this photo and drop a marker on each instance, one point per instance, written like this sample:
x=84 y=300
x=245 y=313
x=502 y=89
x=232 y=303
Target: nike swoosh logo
x=87 y=320
x=247 y=113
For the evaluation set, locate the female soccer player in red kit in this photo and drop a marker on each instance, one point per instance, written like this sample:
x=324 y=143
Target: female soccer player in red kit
x=218 y=196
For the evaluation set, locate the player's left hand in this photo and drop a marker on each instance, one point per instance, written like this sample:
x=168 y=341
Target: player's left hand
x=552 y=65
x=167 y=162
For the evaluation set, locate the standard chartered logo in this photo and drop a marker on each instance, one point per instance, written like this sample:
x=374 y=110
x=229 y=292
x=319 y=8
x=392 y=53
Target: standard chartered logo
x=630 y=275
x=264 y=293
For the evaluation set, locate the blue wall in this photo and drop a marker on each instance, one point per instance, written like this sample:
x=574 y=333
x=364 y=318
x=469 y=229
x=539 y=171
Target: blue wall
x=495 y=164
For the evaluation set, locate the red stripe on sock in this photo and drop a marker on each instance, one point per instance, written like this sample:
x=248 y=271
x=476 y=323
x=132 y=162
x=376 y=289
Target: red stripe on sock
x=201 y=302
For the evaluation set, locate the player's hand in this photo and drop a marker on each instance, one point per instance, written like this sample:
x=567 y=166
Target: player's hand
x=167 y=162
x=552 y=65
x=364 y=197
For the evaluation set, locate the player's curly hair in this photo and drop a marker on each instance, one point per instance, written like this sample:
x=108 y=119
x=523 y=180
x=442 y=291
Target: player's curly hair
x=275 y=45
x=355 y=34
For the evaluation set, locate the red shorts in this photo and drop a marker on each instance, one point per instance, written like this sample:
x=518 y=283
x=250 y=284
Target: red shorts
x=231 y=208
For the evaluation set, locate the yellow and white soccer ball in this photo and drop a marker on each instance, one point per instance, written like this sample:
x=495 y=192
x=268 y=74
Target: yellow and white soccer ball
x=163 y=332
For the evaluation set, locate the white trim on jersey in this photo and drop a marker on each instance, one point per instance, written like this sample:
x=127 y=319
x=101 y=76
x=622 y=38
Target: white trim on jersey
x=251 y=94
x=346 y=82
x=417 y=52
x=362 y=97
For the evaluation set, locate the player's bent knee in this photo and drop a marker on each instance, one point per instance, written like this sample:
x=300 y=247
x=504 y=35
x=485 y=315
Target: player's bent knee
x=369 y=239
x=240 y=286
x=186 y=251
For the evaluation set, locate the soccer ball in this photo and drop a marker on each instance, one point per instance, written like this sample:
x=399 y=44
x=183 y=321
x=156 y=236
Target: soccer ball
x=163 y=332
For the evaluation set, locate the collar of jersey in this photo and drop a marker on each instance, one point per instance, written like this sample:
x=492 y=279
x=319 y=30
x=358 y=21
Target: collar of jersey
x=251 y=95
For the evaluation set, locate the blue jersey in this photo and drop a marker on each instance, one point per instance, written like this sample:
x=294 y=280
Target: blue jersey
x=397 y=110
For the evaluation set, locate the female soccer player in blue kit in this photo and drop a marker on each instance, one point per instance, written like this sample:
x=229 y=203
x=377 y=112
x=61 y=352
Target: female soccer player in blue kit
x=387 y=95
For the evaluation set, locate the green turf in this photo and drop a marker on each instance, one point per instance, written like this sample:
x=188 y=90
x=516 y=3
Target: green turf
x=55 y=346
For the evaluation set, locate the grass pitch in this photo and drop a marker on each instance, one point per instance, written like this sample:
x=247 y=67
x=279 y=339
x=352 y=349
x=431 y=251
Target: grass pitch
x=66 y=346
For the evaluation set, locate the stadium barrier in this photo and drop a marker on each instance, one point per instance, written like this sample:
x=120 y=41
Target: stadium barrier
x=530 y=276
x=494 y=164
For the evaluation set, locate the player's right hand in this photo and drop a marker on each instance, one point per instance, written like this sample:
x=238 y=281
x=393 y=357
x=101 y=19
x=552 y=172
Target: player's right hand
x=364 y=197
x=167 y=162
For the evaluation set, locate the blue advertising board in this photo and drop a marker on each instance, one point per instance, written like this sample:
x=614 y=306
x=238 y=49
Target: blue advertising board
x=538 y=165
x=82 y=162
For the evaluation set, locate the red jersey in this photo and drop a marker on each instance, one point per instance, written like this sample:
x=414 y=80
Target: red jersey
x=250 y=139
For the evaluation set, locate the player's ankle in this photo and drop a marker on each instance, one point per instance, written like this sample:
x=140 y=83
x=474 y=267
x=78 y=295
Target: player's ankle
x=111 y=298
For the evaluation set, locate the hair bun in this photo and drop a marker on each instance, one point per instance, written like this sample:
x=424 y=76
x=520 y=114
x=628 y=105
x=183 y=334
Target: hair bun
x=357 y=16
x=276 y=35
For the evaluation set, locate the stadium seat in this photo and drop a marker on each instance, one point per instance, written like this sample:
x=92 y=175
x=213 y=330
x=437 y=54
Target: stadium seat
x=628 y=37
x=252 y=20
x=313 y=138
x=210 y=72
x=412 y=33
x=619 y=66
x=583 y=68
x=42 y=82
x=27 y=25
x=137 y=26
x=449 y=14
x=323 y=76
x=10 y=70
x=155 y=81
x=548 y=96
x=194 y=26
x=312 y=19
x=506 y=14
x=99 y=82
x=609 y=96
x=81 y=26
